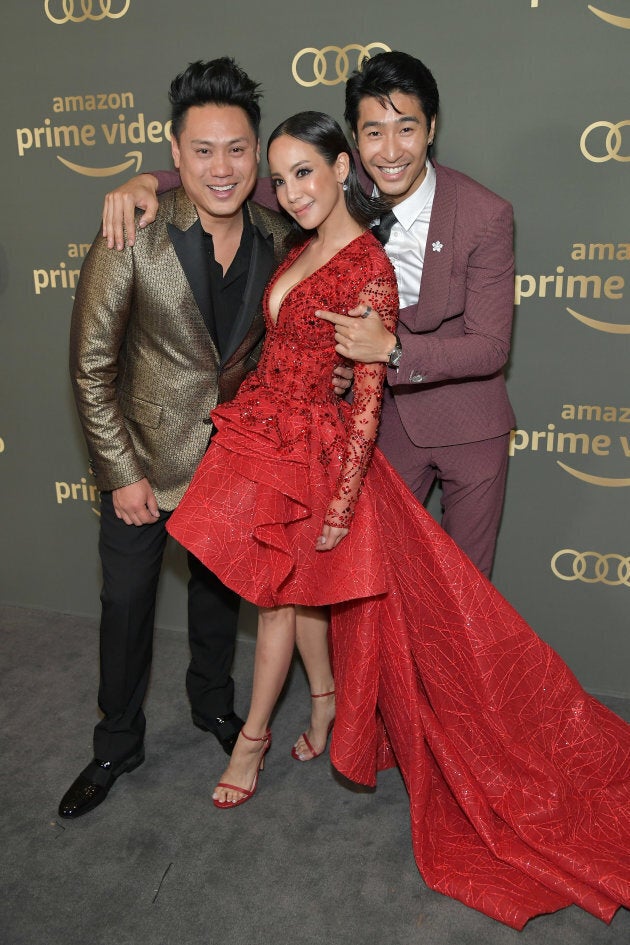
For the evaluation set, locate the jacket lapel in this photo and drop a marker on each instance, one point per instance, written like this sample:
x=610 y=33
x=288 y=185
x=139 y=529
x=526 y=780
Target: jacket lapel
x=186 y=235
x=262 y=265
x=438 y=259
x=438 y=263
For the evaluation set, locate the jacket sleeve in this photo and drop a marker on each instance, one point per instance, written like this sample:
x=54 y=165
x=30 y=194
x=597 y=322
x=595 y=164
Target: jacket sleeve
x=484 y=347
x=99 y=322
x=167 y=180
x=265 y=194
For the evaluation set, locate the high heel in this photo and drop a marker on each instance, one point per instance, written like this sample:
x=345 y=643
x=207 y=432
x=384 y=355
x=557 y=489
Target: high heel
x=247 y=795
x=314 y=754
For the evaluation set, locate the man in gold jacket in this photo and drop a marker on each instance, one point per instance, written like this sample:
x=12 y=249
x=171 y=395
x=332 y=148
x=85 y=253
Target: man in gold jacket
x=161 y=333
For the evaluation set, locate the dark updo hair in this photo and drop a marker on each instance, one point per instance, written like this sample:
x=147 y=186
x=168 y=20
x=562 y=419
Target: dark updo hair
x=326 y=136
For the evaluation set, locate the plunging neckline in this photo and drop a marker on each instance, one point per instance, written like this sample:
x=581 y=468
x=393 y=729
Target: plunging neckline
x=288 y=292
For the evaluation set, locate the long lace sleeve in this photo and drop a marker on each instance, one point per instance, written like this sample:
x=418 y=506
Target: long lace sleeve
x=382 y=294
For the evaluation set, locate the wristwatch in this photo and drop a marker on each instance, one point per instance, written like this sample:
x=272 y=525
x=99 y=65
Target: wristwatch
x=395 y=355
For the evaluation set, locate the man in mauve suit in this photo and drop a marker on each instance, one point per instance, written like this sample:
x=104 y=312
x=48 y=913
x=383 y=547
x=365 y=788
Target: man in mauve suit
x=161 y=333
x=446 y=412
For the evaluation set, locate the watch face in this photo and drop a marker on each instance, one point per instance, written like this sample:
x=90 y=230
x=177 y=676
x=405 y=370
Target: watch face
x=395 y=356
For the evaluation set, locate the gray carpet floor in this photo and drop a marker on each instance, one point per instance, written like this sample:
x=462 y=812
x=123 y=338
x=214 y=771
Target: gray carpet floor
x=309 y=860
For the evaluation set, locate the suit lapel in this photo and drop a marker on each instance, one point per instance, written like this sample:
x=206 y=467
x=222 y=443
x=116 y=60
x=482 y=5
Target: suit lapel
x=186 y=235
x=438 y=262
x=438 y=258
x=262 y=265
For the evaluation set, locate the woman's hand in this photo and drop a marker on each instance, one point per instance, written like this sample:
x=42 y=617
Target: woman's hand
x=361 y=335
x=330 y=537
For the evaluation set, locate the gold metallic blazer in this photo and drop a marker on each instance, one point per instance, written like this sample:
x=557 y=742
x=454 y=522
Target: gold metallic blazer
x=145 y=370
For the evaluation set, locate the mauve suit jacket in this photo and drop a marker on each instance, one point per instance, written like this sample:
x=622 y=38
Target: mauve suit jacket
x=145 y=368
x=449 y=387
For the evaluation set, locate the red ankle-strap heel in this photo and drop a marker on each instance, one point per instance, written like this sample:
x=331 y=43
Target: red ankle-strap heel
x=314 y=754
x=247 y=795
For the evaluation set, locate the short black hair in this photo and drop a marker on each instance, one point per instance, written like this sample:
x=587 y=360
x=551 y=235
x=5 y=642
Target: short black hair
x=389 y=72
x=328 y=139
x=217 y=82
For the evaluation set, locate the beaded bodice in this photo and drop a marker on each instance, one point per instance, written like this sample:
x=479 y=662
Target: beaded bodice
x=292 y=387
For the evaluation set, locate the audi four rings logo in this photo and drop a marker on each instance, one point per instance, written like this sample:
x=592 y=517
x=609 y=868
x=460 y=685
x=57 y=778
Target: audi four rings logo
x=621 y=21
x=67 y=11
x=608 y=146
x=591 y=568
x=331 y=65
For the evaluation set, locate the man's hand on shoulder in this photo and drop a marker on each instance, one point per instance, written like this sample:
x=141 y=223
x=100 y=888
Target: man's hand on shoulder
x=136 y=504
x=119 y=209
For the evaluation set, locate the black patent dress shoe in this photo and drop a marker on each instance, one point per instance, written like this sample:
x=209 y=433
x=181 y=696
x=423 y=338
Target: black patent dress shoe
x=93 y=784
x=225 y=729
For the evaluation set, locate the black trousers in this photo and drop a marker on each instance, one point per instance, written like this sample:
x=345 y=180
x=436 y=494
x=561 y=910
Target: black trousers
x=131 y=558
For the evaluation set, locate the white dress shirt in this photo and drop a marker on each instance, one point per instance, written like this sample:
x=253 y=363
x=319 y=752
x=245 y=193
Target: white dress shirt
x=408 y=239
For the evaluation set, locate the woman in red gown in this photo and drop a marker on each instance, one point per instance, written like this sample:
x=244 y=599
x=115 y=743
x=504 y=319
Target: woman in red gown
x=270 y=507
x=519 y=781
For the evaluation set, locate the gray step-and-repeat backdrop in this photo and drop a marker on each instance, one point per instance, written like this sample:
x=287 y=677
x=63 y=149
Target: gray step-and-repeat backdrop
x=535 y=106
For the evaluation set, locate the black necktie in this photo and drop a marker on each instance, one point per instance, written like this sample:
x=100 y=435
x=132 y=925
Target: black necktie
x=382 y=230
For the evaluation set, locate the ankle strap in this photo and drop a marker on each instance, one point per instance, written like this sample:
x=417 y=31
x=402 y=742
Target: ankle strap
x=320 y=695
x=263 y=738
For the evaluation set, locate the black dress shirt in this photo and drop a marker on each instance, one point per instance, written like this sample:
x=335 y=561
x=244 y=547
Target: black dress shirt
x=228 y=288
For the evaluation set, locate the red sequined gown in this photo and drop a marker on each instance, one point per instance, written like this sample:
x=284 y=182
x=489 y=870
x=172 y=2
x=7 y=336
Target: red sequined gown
x=518 y=780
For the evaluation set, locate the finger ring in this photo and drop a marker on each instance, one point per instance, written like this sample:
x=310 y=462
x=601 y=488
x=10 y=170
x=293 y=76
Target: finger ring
x=368 y=311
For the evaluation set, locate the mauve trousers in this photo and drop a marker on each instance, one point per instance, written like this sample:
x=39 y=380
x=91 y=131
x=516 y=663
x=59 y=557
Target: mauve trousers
x=472 y=478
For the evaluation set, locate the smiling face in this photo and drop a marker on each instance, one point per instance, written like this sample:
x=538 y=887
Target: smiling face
x=393 y=139
x=217 y=155
x=308 y=188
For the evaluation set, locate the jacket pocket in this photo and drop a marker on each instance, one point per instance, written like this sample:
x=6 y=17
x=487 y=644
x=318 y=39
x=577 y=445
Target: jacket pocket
x=140 y=411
